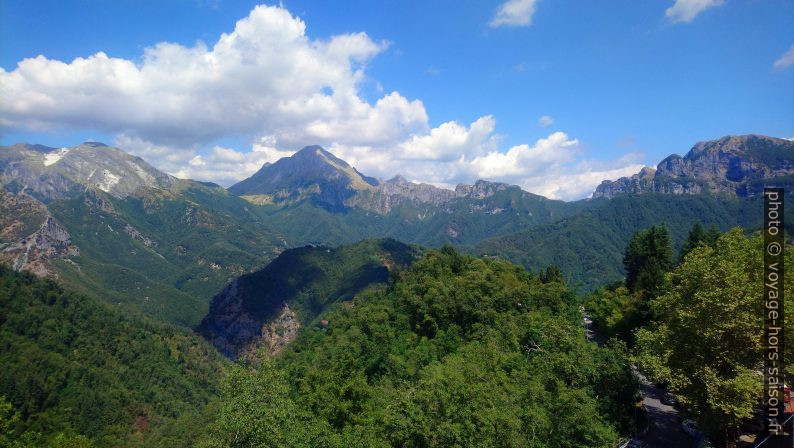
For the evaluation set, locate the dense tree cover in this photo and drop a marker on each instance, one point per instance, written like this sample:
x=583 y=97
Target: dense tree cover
x=12 y=437
x=698 y=235
x=458 y=351
x=648 y=257
x=621 y=307
x=190 y=241
x=312 y=277
x=73 y=366
x=308 y=279
x=589 y=246
x=615 y=311
x=707 y=340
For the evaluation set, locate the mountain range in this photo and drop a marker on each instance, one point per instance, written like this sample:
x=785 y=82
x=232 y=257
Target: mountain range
x=330 y=273
x=109 y=224
x=735 y=165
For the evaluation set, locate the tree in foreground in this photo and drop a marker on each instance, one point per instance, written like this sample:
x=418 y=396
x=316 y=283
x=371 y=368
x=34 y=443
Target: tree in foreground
x=620 y=308
x=707 y=341
x=457 y=352
x=648 y=256
x=697 y=236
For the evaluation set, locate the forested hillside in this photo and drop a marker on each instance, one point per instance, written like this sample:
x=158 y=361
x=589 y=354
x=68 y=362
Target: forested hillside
x=588 y=247
x=267 y=307
x=459 y=351
x=165 y=253
x=72 y=366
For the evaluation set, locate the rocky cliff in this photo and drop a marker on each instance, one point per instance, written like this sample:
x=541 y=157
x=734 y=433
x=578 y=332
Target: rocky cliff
x=265 y=309
x=30 y=238
x=735 y=165
x=51 y=173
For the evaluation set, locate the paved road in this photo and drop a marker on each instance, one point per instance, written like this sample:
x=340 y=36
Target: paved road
x=665 y=430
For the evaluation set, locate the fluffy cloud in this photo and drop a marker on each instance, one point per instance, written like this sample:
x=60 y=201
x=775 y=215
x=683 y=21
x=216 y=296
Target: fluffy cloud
x=545 y=120
x=514 y=13
x=227 y=166
x=786 y=60
x=686 y=10
x=269 y=82
x=265 y=77
x=224 y=166
x=555 y=166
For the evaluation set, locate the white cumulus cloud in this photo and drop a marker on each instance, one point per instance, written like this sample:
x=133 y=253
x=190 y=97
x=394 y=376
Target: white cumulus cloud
x=265 y=77
x=556 y=166
x=268 y=82
x=686 y=10
x=514 y=13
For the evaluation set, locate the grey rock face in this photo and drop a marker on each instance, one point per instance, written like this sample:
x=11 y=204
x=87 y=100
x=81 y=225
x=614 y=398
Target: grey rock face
x=315 y=174
x=35 y=251
x=232 y=329
x=49 y=173
x=238 y=334
x=480 y=190
x=736 y=165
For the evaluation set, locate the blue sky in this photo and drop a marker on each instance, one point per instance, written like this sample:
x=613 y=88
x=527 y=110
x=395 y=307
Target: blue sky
x=441 y=92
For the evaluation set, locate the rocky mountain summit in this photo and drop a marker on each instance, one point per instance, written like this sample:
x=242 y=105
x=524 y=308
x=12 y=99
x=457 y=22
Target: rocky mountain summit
x=317 y=175
x=55 y=173
x=311 y=173
x=736 y=165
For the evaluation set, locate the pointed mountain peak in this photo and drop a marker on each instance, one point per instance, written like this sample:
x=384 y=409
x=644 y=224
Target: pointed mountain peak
x=398 y=179
x=647 y=172
x=311 y=172
x=311 y=150
x=316 y=152
x=50 y=173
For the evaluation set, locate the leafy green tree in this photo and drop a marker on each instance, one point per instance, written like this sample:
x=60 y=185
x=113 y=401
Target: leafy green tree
x=712 y=235
x=551 y=274
x=648 y=257
x=695 y=237
x=458 y=351
x=11 y=436
x=699 y=235
x=615 y=311
x=258 y=412
x=707 y=342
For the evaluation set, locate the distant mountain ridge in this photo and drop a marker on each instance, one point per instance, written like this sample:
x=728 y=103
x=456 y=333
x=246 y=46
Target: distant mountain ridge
x=317 y=175
x=735 y=165
x=109 y=224
x=56 y=173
